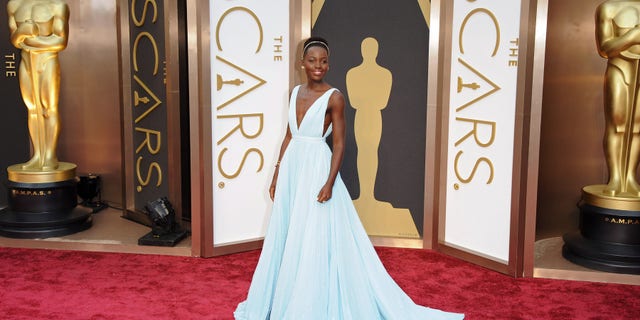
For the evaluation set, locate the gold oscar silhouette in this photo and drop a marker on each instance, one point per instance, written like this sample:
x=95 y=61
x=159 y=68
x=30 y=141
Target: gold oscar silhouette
x=43 y=191
x=609 y=237
x=316 y=7
x=369 y=87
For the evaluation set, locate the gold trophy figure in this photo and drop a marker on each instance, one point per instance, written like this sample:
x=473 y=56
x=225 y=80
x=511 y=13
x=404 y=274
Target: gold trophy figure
x=618 y=41
x=609 y=236
x=40 y=29
x=369 y=87
x=43 y=200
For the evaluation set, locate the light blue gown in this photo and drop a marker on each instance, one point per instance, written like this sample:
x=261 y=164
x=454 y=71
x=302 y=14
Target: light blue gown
x=317 y=262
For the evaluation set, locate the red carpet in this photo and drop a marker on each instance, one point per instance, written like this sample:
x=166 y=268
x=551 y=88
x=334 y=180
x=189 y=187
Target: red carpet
x=47 y=284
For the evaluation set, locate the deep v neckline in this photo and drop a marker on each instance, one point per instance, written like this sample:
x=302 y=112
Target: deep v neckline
x=299 y=124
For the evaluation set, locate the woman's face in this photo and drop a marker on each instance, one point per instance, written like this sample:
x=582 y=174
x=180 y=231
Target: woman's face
x=316 y=63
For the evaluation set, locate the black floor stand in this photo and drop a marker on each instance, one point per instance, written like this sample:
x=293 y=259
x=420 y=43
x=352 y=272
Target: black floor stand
x=169 y=239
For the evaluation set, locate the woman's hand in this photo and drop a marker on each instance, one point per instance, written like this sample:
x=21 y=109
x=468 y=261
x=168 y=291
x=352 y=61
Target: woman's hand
x=272 y=191
x=325 y=193
x=272 y=188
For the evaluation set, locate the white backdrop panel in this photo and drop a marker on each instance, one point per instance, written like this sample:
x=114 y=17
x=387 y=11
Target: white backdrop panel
x=249 y=94
x=481 y=126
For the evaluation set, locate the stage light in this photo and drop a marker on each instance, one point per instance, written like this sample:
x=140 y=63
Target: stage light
x=162 y=215
x=164 y=230
x=89 y=187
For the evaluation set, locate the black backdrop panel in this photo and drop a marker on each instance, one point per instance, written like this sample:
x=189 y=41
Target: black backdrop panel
x=403 y=37
x=147 y=45
x=14 y=135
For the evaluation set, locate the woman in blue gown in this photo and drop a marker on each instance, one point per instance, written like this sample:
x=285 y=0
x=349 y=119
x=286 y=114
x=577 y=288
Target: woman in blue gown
x=317 y=261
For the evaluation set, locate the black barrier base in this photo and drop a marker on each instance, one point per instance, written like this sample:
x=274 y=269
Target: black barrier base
x=43 y=210
x=609 y=240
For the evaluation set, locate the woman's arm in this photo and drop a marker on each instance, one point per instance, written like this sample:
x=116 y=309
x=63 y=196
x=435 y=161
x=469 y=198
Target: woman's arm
x=335 y=112
x=283 y=148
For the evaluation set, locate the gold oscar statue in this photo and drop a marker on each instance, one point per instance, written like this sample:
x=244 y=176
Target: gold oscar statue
x=618 y=41
x=609 y=235
x=43 y=198
x=369 y=88
x=40 y=29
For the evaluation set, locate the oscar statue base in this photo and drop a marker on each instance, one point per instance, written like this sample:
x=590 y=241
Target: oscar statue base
x=609 y=236
x=43 y=204
x=603 y=256
x=28 y=225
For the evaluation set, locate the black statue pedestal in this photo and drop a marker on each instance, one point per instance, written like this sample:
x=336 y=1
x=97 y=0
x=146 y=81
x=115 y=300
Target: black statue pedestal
x=609 y=236
x=43 y=204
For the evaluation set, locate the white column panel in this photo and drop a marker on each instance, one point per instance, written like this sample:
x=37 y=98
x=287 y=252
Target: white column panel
x=249 y=94
x=484 y=58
